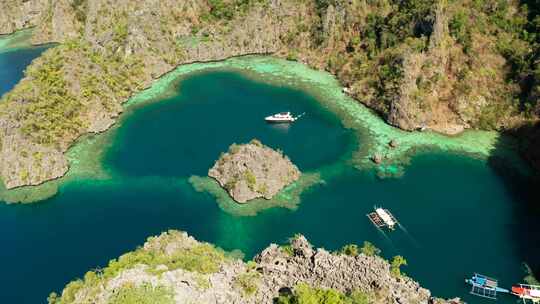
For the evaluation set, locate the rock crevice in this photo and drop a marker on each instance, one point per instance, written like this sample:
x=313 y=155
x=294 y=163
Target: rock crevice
x=252 y=171
x=260 y=281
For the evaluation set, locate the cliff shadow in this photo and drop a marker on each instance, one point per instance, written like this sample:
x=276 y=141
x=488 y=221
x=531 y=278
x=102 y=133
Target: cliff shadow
x=521 y=177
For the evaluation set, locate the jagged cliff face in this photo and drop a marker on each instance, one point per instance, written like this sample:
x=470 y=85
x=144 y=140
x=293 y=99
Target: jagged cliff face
x=418 y=63
x=253 y=170
x=108 y=52
x=163 y=264
x=426 y=63
x=18 y=14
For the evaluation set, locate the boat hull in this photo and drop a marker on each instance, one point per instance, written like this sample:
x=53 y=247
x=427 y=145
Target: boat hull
x=278 y=120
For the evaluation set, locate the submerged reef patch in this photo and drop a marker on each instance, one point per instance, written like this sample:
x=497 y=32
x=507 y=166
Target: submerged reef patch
x=373 y=134
x=288 y=198
x=17 y=40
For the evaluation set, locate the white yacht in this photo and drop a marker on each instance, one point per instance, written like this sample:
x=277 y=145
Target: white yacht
x=281 y=117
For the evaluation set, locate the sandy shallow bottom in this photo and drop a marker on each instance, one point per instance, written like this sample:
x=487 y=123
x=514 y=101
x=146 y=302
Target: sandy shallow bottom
x=17 y=40
x=86 y=155
x=127 y=184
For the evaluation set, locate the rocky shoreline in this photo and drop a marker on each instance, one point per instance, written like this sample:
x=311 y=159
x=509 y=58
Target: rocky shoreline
x=123 y=46
x=225 y=279
x=253 y=170
x=18 y=15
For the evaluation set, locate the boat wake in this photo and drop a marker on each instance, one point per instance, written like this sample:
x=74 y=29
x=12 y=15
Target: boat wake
x=409 y=236
x=299 y=116
x=386 y=238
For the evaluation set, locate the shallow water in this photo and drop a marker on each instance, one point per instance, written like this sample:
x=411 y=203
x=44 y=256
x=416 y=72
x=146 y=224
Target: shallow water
x=460 y=214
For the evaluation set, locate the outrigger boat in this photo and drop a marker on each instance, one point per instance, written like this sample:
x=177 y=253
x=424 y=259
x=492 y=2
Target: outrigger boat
x=382 y=218
x=484 y=286
x=283 y=117
x=527 y=292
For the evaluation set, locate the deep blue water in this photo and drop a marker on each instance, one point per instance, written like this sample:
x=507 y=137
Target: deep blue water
x=12 y=65
x=461 y=214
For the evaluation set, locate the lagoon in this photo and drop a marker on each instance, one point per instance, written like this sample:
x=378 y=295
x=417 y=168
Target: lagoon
x=460 y=213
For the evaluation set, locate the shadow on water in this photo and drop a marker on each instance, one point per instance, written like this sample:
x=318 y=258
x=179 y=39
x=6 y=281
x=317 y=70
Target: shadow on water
x=523 y=183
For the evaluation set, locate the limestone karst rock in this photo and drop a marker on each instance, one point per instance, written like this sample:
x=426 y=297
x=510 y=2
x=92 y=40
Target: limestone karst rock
x=252 y=171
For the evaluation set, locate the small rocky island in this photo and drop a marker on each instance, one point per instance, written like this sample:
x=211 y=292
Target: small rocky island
x=252 y=171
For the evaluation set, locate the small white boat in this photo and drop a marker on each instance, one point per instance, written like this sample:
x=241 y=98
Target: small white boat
x=382 y=218
x=387 y=218
x=281 y=117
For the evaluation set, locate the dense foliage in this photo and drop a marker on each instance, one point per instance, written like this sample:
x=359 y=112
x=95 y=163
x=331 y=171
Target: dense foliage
x=395 y=265
x=447 y=45
x=352 y=249
x=249 y=280
x=202 y=258
x=305 y=294
x=447 y=64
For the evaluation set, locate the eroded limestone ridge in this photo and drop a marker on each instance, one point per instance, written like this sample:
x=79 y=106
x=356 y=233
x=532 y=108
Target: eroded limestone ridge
x=435 y=68
x=17 y=14
x=175 y=268
x=252 y=171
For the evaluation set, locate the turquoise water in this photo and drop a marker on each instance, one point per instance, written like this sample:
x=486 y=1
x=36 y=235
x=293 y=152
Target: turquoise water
x=461 y=215
x=13 y=63
x=214 y=111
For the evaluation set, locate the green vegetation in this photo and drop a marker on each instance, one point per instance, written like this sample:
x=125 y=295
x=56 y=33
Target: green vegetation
x=482 y=72
x=256 y=142
x=460 y=29
x=369 y=249
x=226 y=10
x=375 y=59
x=144 y=294
x=80 y=7
x=287 y=249
x=234 y=148
x=263 y=188
x=529 y=278
x=249 y=280
x=395 y=265
x=56 y=114
x=250 y=179
x=305 y=294
x=352 y=249
x=231 y=183
x=201 y=258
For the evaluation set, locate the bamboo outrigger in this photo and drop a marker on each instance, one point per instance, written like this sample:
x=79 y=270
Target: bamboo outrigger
x=382 y=218
x=484 y=286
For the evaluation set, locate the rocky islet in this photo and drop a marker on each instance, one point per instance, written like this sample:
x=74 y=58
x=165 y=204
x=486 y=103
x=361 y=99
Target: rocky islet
x=253 y=170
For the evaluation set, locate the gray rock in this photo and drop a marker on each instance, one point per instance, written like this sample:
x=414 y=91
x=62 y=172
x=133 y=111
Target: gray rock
x=20 y=14
x=275 y=270
x=377 y=158
x=252 y=171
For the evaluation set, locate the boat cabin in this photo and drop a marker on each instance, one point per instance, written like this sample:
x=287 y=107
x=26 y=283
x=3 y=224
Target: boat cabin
x=382 y=218
x=527 y=292
x=281 y=117
x=484 y=286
